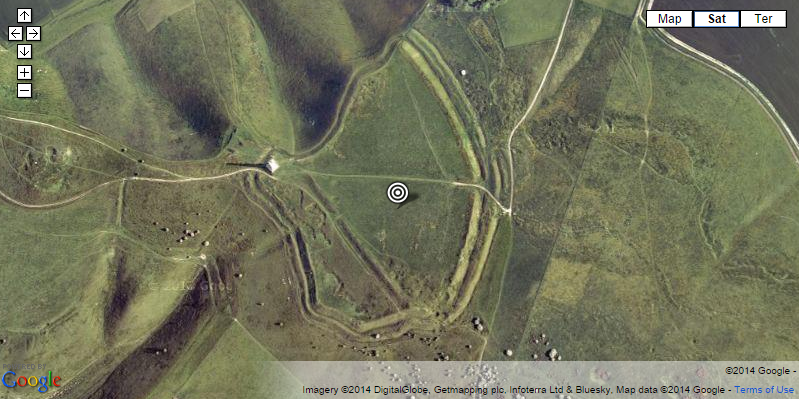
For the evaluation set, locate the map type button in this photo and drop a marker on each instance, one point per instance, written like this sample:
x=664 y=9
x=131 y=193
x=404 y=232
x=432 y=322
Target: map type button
x=24 y=15
x=668 y=19
x=24 y=72
x=717 y=19
x=24 y=51
x=763 y=19
x=14 y=33
x=33 y=33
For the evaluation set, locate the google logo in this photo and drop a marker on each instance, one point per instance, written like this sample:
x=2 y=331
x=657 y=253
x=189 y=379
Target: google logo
x=32 y=381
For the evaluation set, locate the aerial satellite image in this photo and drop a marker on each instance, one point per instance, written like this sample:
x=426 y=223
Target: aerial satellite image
x=191 y=190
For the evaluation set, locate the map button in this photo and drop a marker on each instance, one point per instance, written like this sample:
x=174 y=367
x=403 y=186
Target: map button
x=668 y=19
x=763 y=19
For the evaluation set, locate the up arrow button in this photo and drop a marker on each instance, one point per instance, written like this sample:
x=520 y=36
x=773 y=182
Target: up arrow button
x=24 y=15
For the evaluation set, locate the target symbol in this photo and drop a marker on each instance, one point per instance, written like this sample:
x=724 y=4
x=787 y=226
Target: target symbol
x=397 y=192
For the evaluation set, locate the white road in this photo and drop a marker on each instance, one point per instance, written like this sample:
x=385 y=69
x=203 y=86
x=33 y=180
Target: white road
x=530 y=108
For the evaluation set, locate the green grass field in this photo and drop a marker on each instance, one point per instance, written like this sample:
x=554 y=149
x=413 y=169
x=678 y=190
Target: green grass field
x=623 y=7
x=527 y=21
x=421 y=238
x=621 y=280
x=424 y=146
x=237 y=350
x=45 y=165
x=73 y=235
x=337 y=270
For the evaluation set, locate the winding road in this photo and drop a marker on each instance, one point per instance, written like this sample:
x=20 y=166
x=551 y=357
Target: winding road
x=531 y=105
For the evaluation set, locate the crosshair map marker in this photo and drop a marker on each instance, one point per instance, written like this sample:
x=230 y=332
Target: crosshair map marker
x=397 y=192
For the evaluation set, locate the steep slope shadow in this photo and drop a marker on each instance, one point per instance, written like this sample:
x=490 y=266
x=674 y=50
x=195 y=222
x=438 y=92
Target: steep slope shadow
x=139 y=372
x=209 y=60
x=319 y=46
x=108 y=96
x=170 y=55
